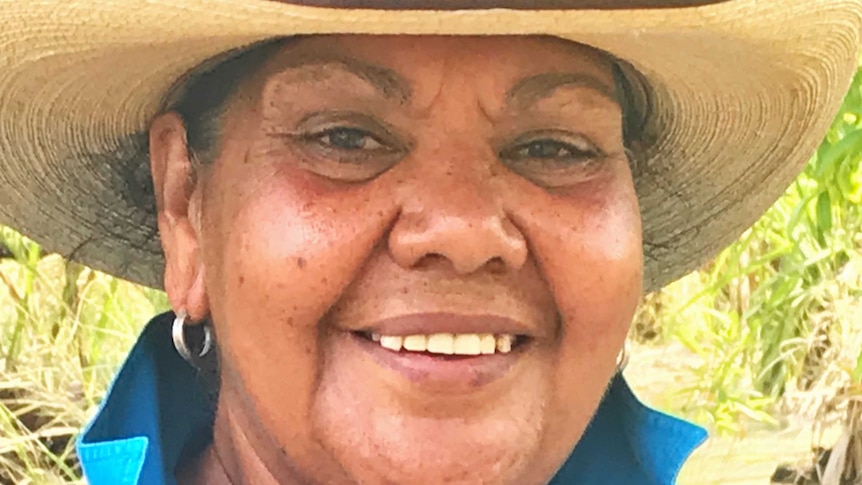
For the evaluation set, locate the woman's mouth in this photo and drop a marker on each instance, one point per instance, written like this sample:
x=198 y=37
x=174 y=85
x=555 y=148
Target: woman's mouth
x=432 y=354
x=463 y=344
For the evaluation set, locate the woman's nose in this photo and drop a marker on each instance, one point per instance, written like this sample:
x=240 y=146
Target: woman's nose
x=460 y=217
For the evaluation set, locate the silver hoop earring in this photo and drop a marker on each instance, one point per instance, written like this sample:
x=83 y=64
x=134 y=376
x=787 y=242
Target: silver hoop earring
x=623 y=358
x=178 y=332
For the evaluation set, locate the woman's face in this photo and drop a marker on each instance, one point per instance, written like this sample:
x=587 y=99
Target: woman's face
x=410 y=186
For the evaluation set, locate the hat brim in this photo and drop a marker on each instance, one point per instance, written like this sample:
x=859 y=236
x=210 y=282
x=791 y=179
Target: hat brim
x=741 y=92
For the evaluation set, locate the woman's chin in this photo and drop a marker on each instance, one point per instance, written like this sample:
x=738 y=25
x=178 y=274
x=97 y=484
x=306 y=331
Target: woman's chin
x=407 y=449
x=390 y=427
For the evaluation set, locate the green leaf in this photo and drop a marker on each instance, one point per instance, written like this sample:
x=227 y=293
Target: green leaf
x=824 y=216
x=857 y=372
x=830 y=156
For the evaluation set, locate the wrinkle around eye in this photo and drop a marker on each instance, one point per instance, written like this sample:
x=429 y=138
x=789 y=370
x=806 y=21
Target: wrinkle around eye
x=572 y=146
x=561 y=174
x=336 y=164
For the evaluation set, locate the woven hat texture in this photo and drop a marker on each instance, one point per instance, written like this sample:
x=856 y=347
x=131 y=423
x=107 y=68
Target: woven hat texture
x=738 y=95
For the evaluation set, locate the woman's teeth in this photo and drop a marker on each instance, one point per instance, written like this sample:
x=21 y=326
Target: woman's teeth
x=447 y=343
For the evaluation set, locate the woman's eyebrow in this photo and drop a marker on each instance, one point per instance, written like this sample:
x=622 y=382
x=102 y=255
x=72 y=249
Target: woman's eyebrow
x=383 y=79
x=531 y=89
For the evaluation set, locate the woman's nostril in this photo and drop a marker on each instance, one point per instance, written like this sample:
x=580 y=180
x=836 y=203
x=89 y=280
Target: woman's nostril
x=496 y=265
x=429 y=261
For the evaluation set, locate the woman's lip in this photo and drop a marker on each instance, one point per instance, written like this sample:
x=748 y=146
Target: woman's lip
x=443 y=373
x=431 y=323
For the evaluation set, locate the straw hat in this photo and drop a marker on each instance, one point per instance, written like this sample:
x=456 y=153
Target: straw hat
x=738 y=95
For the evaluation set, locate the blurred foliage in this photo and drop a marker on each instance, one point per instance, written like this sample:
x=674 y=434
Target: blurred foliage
x=64 y=329
x=772 y=314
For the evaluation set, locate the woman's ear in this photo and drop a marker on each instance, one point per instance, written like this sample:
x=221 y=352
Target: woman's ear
x=178 y=203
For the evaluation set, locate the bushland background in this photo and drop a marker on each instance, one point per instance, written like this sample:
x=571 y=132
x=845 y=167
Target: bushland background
x=761 y=345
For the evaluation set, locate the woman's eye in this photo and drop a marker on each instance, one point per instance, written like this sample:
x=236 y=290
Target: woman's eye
x=550 y=149
x=344 y=151
x=343 y=138
x=554 y=159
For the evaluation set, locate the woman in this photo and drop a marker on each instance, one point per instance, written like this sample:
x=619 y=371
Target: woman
x=401 y=258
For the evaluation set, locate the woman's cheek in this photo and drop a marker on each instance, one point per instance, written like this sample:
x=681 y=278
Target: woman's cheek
x=588 y=246
x=294 y=244
x=605 y=263
x=287 y=249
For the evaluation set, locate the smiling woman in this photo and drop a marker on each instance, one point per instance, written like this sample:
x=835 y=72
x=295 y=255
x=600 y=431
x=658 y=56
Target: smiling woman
x=403 y=182
x=407 y=258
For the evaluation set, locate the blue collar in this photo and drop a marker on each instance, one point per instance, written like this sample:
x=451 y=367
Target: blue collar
x=157 y=415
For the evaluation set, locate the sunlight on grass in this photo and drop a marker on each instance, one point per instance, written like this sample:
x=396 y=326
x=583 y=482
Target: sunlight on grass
x=63 y=331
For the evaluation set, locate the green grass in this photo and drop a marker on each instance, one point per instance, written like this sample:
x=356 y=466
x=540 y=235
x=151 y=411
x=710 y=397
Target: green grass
x=63 y=331
x=776 y=317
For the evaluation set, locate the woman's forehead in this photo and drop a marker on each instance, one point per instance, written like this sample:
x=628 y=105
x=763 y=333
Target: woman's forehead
x=519 y=69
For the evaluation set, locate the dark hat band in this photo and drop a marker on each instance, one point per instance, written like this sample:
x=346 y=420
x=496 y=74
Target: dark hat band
x=511 y=4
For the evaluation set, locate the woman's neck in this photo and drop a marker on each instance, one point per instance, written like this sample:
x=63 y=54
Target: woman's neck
x=204 y=470
x=231 y=459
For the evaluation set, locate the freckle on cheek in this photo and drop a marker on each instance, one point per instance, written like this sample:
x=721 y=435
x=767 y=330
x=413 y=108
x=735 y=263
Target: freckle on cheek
x=300 y=262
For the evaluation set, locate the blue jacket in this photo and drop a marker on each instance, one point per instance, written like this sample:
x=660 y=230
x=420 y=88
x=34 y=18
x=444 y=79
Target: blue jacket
x=157 y=414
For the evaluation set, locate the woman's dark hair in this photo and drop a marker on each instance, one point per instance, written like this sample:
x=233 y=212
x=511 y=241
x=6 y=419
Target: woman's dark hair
x=634 y=97
x=204 y=95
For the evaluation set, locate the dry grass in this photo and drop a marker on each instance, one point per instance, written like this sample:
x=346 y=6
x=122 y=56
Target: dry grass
x=58 y=354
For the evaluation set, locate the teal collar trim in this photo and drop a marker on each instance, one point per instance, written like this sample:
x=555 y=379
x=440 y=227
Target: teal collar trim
x=157 y=415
